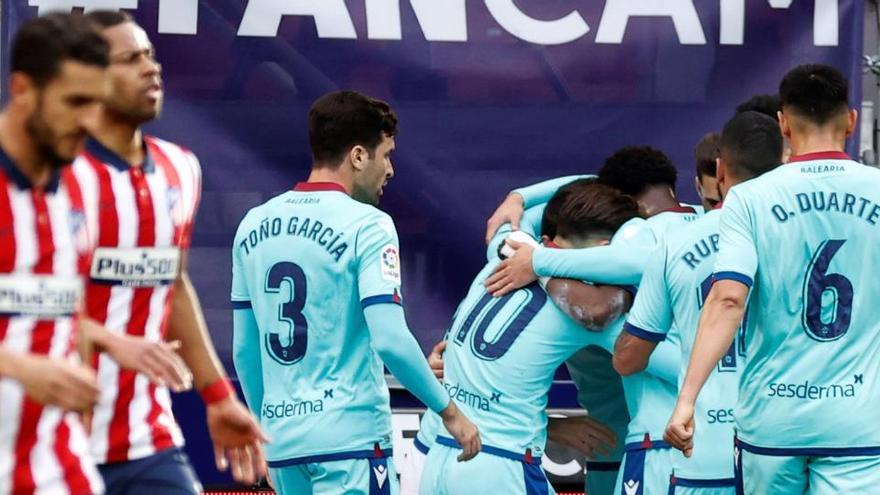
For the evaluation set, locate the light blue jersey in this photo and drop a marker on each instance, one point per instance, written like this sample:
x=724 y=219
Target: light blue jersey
x=671 y=294
x=312 y=264
x=805 y=237
x=500 y=361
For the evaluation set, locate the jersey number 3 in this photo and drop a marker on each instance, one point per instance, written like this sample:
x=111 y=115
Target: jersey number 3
x=294 y=325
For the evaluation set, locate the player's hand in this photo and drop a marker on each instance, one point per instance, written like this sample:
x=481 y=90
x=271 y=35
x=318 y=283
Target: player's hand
x=462 y=430
x=513 y=273
x=509 y=211
x=238 y=440
x=680 y=430
x=159 y=361
x=435 y=359
x=583 y=434
x=56 y=382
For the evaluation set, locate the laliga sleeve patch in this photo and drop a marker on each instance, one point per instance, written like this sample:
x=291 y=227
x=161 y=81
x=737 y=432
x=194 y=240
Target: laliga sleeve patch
x=390 y=264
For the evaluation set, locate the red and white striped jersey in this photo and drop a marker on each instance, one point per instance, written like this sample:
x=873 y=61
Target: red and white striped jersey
x=143 y=218
x=44 y=248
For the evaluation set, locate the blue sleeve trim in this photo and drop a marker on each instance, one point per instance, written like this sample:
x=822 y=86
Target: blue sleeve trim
x=809 y=451
x=735 y=276
x=382 y=299
x=242 y=305
x=643 y=334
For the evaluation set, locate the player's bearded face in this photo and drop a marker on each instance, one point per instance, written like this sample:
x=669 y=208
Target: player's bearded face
x=371 y=180
x=63 y=110
x=137 y=94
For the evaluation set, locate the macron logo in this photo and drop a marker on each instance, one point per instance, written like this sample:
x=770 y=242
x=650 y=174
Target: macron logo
x=381 y=475
x=631 y=487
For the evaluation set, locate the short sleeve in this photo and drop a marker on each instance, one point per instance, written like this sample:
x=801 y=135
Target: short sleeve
x=240 y=295
x=651 y=315
x=378 y=258
x=737 y=257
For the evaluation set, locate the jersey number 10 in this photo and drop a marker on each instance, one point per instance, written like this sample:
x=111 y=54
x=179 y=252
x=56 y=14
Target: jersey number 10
x=515 y=323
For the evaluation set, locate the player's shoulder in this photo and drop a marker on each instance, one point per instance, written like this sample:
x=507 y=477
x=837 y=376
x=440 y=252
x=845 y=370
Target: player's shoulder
x=179 y=156
x=704 y=226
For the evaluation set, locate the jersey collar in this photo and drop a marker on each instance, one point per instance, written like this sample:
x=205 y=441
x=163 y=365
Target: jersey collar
x=820 y=155
x=108 y=156
x=319 y=186
x=679 y=209
x=8 y=167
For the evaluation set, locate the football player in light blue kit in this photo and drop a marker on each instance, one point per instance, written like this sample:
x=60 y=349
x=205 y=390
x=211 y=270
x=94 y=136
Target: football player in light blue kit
x=673 y=287
x=649 y=175
x=502 y=354
x=803 y=238
x=316 y=292
x=581 y=433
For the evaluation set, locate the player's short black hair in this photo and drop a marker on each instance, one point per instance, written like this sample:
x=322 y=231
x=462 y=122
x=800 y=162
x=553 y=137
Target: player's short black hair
x=104 y=19
x=584 y=208
x=633 y=169
x=815 y=92
x=42 y=44
x=341 y=120
x=769 y=105
x=751 y=144
x=705 y=154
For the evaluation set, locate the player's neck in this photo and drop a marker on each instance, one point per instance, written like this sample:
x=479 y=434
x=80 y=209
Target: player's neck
x=121 y=137
x=814 y=142
x=21 y=148
x=657 y=199
x=338 y=176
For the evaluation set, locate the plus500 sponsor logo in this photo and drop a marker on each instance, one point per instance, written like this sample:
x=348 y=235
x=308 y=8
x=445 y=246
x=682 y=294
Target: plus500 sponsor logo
x=136 y=266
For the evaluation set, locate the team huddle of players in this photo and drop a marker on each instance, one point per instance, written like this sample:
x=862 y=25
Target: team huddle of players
x=642 y=297
x=729 y=350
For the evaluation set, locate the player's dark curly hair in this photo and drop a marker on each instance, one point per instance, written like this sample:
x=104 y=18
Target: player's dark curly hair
x=815 y=92
x=633 y=169
x=585 y=208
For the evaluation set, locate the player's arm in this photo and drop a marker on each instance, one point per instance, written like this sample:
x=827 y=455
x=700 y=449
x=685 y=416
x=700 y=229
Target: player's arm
x=735 y=268
x=56 y=382
x=379 y=287
x=648 y=323
x=620 y=263
x=511 y=209
x=159 y=361
x=593 y=307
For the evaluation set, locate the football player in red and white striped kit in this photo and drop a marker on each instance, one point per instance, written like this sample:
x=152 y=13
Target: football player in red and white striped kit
x=58 y=81
x=147 y=193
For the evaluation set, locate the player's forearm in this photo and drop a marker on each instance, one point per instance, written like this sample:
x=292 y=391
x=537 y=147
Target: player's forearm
x=631 y=354
x=400 y=352
x=246 y=357
x=10 y=363
x=187 y=324
x=543 y=191
x=612 y=265
x=721 y=316
x=593 y=307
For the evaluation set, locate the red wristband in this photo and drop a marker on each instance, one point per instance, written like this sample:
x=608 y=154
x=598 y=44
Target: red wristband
x=217 y=391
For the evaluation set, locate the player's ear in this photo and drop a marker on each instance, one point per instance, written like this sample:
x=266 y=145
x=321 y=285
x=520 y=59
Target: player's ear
x=720 y=171
x=784 y=124
x=23 y=91
x=698 y=186
x=852 y=119
x=358 y=155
